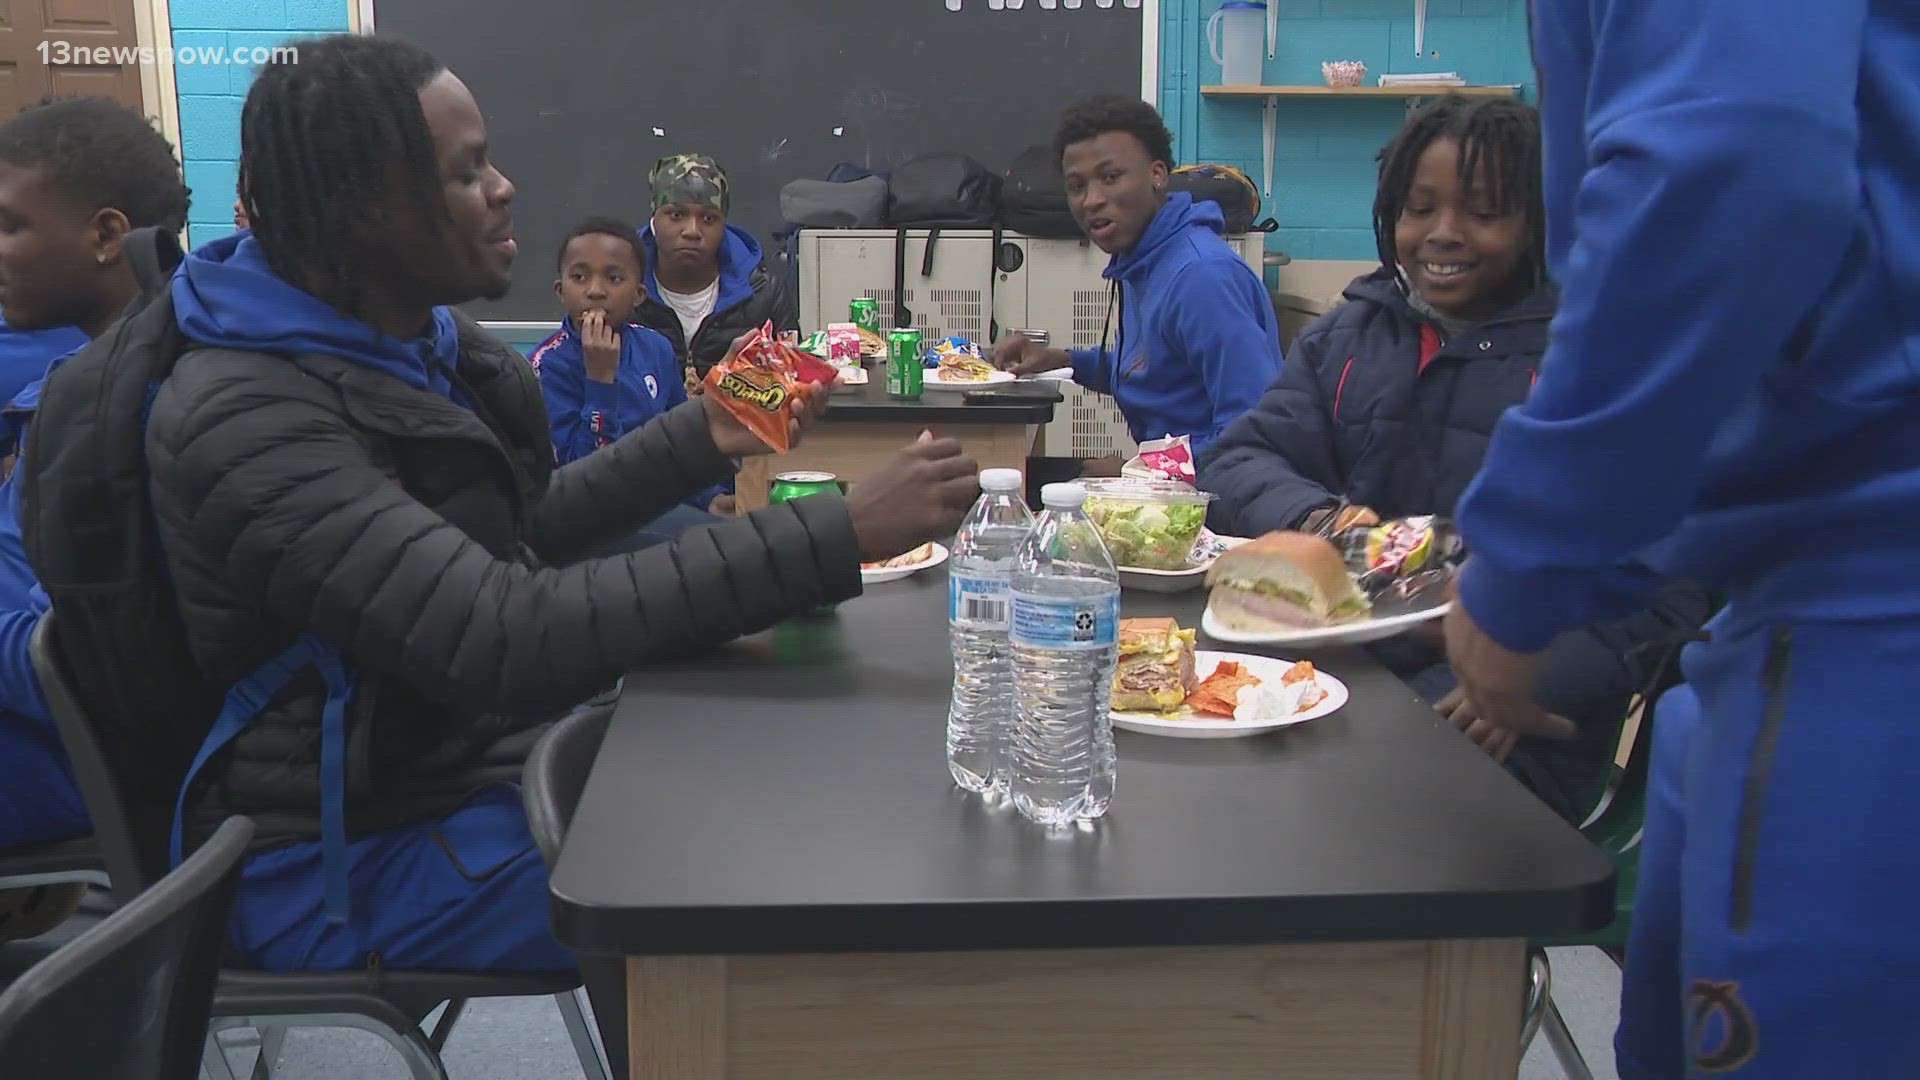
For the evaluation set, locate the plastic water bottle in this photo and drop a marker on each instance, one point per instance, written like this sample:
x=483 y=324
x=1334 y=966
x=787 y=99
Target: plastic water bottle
x=1065 y=638
x=980 y=720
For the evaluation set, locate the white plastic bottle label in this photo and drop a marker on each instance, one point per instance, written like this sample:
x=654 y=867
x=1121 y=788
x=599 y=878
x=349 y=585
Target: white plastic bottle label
x=1051 y=622
x=977 y=603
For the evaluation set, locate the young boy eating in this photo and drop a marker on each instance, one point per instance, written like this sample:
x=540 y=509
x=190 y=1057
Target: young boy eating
x=602 y=374
x=1385 y=406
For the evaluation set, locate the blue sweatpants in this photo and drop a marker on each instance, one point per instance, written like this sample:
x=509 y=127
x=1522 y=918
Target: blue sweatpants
x=465 y=893
x=1776 y=929
x=39 y=797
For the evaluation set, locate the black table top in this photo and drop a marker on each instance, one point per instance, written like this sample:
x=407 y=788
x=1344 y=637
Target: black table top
x=870 y=403
x=789 y=794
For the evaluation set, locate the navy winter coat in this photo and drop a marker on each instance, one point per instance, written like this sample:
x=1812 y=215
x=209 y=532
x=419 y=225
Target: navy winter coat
x=1378 y=404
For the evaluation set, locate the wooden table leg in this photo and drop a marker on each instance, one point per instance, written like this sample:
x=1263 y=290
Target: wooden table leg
x=851 y=450
x=1437 y=1010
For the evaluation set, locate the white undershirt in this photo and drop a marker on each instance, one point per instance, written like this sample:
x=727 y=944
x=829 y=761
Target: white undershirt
x=693 y=308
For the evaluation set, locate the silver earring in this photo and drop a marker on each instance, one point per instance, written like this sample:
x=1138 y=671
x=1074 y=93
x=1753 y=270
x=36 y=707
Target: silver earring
x=100 y=257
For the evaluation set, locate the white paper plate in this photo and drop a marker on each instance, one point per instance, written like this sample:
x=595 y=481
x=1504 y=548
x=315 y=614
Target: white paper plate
x=1353 y=633
x=935 y=382
x=895 y=573
x=1267 y=668
x=1173 y=581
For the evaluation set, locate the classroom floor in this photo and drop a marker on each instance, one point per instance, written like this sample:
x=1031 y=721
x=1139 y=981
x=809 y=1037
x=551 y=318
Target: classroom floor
x=522 y=1038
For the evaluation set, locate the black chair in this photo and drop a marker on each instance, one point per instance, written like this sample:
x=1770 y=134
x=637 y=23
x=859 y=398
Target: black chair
x=130 y=998
x=555 y=775
x=48 y=866
x=61 y=862
x=388 y=1003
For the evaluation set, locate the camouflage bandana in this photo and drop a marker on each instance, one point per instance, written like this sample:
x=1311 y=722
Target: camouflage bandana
x=689 y=178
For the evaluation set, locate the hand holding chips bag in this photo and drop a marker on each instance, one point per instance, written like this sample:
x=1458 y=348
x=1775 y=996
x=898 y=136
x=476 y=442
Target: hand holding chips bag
x=761 y=385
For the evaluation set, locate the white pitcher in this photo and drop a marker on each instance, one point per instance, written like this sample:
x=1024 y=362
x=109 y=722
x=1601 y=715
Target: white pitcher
x=1237 y=37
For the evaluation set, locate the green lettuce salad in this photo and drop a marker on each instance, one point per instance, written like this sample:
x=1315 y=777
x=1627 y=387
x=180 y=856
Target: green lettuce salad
x=1147 y=524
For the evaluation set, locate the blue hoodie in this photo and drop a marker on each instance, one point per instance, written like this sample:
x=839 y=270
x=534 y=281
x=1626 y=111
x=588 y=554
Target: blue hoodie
x=226 y=296
x=1732 y=393
x=39 y=796
x=739 y=257
x=25 y=354
x=586 y=414
x=1198 y=339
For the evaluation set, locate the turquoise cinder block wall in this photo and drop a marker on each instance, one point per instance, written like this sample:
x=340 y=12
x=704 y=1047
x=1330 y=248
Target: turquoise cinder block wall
x=210 y=97
x=1324 y=149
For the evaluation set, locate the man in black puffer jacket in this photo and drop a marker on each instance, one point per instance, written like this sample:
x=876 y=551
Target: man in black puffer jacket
x=340 y=455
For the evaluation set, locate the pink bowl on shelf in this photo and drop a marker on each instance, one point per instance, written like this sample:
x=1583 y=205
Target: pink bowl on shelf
x=1343 y=72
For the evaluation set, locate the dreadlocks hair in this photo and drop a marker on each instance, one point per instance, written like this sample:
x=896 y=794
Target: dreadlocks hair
x=323 y=137
x=603 y=226
x=1499 y=144
x=1092 y=117
x=103 y=155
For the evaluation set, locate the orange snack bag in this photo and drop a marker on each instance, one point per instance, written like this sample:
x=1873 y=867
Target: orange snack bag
x=762 y=385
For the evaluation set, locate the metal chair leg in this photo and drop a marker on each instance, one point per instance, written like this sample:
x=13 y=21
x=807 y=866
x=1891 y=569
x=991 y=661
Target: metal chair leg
x=1539 y=993
x=584 y=1046
x=272 y=1038
x=214 y=1060
x=444 y=1028
x=1564 y=1048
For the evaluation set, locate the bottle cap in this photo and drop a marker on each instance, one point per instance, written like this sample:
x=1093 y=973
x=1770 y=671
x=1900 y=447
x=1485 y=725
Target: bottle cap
x=1000 y=480
x=1063 y=496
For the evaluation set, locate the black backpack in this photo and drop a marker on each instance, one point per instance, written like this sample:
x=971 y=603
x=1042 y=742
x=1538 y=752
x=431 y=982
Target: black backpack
x=88 y=526
x=1230 y=189
x=851 y=197
x=943 y=190
x=1033 y=200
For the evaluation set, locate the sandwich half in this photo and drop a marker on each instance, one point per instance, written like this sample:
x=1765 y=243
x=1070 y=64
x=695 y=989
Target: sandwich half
x=1284 y=581
x=1155 y=671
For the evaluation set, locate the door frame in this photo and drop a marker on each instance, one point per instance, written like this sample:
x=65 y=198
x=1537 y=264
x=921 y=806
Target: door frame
x=159 y=98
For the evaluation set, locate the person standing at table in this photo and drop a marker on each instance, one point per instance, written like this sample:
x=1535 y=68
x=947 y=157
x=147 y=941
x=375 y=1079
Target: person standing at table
x=338 y=461
x=1733 y=395
x=1198 y=341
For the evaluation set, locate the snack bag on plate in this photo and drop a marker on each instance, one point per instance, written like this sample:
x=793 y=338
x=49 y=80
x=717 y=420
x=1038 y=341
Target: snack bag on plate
x=1407 y=556
x=762 y=385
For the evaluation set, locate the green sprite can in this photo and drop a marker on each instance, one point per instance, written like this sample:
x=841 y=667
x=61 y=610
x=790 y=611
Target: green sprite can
x=864 y=312
x=793 y=485
x=906 y=372
x=788 y=486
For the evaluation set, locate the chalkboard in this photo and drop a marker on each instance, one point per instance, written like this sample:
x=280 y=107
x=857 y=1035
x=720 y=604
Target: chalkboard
x=582 y=96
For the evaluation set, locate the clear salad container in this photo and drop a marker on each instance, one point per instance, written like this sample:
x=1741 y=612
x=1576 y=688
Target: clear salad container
x=1149 y=524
